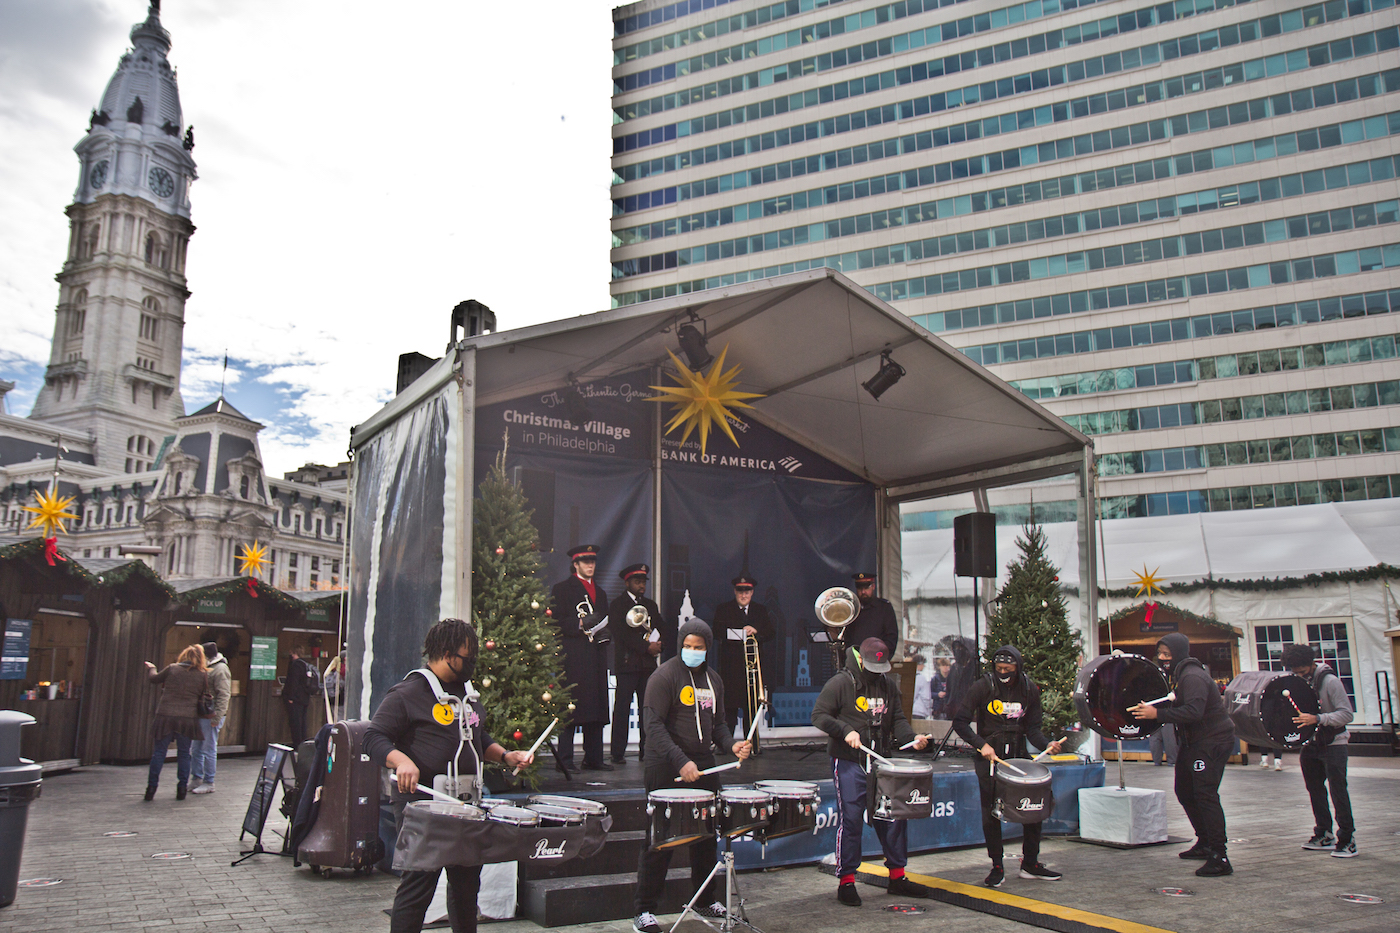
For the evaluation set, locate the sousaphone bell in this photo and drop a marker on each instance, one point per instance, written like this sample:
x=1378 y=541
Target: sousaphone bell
x=837 y=608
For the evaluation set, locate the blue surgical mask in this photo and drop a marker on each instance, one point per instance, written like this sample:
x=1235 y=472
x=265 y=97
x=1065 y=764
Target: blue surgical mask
x=692 y=657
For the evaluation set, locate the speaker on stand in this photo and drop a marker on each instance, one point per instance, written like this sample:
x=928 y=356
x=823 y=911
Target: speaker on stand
x=975 y=555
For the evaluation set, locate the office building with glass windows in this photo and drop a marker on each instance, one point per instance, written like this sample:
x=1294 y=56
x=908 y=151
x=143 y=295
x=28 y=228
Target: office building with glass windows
x=1175 y=224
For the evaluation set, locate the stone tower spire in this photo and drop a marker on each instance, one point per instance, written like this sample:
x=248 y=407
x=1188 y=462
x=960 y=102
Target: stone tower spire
x=114 y=368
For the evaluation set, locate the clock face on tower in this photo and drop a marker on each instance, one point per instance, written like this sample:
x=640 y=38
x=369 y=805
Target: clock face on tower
x=161 y=182
x=98 y=176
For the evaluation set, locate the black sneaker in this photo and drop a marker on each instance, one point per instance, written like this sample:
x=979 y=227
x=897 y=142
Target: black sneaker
x=1217 y=865
x=1199 y=851
x=903 y=887
x=995 y=877
x=1345 y=849
x=150 y=792
x=847 y=894
x=645 y=922
x=715 y=911
x=1037 y=871
x=1321 y=843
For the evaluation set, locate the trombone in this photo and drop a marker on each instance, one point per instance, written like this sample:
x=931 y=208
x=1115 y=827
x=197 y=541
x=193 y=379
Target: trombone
x=753 y=675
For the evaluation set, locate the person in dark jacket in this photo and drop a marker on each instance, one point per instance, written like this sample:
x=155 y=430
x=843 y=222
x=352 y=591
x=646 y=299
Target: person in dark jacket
x=876 y=618
x=636 y=650
x=736 y=620
x=962 y=674
x=206 y=749
x=1205 y=737
x=683 y=726
x=177 y=716
x=1323 y=761
x=861 y=706
x=1006 y=707
x=406 y=736
x=296 y=695
x=576 y=604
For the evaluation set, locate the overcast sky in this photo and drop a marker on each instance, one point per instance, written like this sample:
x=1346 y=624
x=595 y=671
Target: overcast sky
x=363 y=167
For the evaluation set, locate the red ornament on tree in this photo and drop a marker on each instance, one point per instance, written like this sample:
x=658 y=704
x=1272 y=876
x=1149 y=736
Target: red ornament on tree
x=490 y=646
x=500 y=551
x=518 y=735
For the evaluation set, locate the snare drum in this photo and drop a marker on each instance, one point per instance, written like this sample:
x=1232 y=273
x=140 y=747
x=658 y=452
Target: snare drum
x=1111 y=684
x=462 y=811
x=1263 y=716
x=794 y=808
x=513 y=816
x=1023 y=798
x=557 y=816
x=490 y=803
x=900 y=790
x=679 y=816
x=589 y=807
x=742 y=811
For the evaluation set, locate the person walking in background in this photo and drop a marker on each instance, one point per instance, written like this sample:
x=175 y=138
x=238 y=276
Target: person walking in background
x=1271 y=758
x=938 y=689
x=296 y=695
x=177 y=716
x=923 y=693
x=206 y=748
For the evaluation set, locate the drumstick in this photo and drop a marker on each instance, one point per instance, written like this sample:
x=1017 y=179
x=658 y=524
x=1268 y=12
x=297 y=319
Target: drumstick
x=732 y=764
x=915 y=742
x=878 y=757
x=1047 y=751
x=1170 y=696
x=1290 y=700
x=538 y=742
x=428 y=790
x=1010 y=767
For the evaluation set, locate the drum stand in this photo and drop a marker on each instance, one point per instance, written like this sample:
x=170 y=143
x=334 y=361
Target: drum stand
x=734 y=913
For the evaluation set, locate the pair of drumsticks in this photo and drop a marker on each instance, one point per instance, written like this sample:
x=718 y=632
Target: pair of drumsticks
x=753 y=726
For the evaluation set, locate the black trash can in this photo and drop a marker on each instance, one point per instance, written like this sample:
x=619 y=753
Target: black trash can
x=20 y=780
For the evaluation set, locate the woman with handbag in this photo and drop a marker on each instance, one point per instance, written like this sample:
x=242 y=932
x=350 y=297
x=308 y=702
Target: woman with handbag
x=184 y=699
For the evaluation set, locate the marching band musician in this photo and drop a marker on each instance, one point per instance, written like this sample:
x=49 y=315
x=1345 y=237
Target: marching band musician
x=1323 y=761
x=736 y=620
x=876 y=618
x=635 y=654
x=1006 y=705
x=585 y=661
x=683 y=726
x=860 y=706
x=1205 y=737
x=408 y=735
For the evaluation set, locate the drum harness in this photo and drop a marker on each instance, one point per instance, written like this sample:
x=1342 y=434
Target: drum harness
x=1007 y=729
x=452 y=781
x=881 y=731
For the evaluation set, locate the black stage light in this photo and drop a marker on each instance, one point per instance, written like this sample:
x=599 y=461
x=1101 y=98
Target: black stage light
x=575 y=407
x=890 y=373
x=693 y=346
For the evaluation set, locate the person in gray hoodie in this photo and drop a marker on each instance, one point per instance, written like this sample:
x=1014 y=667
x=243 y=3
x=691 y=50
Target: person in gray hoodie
x=683 y=718
x=1323 y=760
x=206 y=749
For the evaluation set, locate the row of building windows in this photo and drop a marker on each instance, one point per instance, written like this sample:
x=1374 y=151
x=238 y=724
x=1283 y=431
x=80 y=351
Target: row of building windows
x=1070 y=73
x=740 y=21
x=867 y=51
x=1243 y=453
x=1242 y=408
x=1310 y=356
x=671 y=11
x=1091 y=105
x=1243 y=498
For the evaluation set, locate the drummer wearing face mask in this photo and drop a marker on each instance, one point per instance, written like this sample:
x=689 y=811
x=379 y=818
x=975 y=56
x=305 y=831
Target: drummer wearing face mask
x=684 y=723
x=1006 y=706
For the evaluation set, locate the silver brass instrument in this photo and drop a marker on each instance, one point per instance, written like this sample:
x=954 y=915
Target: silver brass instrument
x=638 y=617
x=837 y=607
x=588 y=621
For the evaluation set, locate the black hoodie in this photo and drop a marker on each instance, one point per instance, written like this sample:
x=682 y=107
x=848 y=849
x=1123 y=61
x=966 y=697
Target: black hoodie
x=857 y=700
x=1199 y=711
x=679 y=711
x=1006 y=714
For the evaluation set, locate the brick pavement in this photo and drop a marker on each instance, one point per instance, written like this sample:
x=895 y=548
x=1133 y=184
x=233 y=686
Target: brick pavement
x=112 y=884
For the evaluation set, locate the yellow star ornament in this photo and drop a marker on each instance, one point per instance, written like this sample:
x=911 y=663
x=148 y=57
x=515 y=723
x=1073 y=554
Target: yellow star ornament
x=50 y=513
x=703 y=401
x=1147 y=582
x=253 y=561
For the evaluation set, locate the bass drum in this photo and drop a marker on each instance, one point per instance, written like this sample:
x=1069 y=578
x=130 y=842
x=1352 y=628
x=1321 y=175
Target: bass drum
x=1263 y=715
x=1112 y=683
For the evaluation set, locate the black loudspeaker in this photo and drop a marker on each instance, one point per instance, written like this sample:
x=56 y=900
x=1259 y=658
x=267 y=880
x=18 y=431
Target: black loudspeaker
x=975 y=545
x=538 y=487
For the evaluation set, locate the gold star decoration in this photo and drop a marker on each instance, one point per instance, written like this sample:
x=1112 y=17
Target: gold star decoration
x=253 y=561
x=1148 y=581
x=704 y=400
x=50 y=513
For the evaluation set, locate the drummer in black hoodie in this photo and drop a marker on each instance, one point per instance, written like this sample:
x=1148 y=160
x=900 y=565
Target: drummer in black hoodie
x=683 y=718
x=1205 y=737
x=1006 y=705
x=860 y=706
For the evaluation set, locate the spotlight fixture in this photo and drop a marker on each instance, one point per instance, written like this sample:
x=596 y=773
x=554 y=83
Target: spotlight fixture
x=693 y=345
x=575 y=406
x=890 y=373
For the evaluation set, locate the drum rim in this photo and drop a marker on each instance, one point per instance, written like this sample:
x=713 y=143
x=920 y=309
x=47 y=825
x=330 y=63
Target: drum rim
x=499 y=817
x=469 y=811
x=552 y=812
x=681 y=794
x=783 y=782
x=591 y=806
x=905 y=766
x=760 y=796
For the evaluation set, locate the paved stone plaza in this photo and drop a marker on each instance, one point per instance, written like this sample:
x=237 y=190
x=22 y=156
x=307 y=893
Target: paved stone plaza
x=113 y=883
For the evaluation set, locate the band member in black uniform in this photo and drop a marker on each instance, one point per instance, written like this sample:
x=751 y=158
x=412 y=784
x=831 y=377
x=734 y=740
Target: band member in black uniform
x=1205 y=738
x=1006 y=706
x=585 y=659
x=406 y=736
x=860 y=706
x=876 y=619
x=683 y=727
x=735 y=620
x=636 y=651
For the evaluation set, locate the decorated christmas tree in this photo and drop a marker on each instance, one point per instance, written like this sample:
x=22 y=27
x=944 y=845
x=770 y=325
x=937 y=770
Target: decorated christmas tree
x=1031 y=614
x=517 y=670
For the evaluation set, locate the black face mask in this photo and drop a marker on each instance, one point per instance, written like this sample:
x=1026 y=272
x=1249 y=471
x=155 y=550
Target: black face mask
x=1166 y=665
x=1004 y=679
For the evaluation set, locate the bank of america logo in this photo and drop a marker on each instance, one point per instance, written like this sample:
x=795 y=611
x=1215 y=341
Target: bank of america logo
x=791 y=464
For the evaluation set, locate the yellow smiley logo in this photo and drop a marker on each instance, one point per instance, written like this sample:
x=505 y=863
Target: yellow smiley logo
x=443 y=713
x=996 y=707
x=688 y=696
x=862 y=704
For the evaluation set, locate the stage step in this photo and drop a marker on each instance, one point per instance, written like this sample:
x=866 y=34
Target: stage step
x=1371 y=743
x=560 y=902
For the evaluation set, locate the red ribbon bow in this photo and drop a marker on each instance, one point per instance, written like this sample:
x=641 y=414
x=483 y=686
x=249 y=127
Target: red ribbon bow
x=252 y=587
x=51 y=551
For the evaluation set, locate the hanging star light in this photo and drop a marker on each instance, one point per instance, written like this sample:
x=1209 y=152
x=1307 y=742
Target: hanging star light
x=704 y=400
x=1148 y=581
x=253 y=561
x=50 y=513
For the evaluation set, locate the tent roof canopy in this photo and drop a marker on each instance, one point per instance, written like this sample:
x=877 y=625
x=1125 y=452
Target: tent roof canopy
x=806 y=341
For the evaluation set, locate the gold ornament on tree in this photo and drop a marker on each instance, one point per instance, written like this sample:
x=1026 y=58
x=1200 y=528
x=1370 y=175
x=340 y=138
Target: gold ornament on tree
x=702 y=401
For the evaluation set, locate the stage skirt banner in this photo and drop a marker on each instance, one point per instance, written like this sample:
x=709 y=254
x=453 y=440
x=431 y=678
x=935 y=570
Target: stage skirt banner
x=431 y=840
